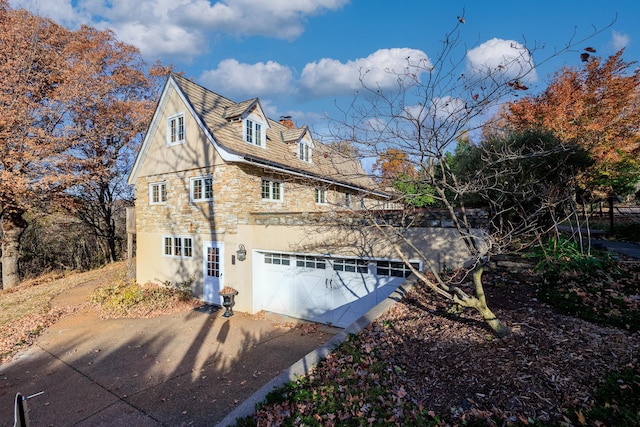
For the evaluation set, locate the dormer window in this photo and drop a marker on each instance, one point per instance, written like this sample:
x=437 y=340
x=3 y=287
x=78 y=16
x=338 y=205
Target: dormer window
x=253 y=132
x=304 y=151
x=175 y=129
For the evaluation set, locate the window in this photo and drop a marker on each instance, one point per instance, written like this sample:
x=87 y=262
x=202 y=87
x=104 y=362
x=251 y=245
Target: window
x=347 y=200
x=395 y=269
x=271 y=190
x=158 y=193
x=181 y=247
x=277 y=259
x=321 y=195
x=201 y=189
x=304 y=151
x=253 y=132
x=311 y=262
x=175 y=131
x=351 y=265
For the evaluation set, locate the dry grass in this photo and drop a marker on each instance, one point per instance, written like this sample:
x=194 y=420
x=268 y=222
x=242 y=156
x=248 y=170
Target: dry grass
x=26 y=310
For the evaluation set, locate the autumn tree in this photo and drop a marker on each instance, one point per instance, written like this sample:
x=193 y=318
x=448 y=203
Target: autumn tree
x=55 y=133
x=110 y=124
x=435 y=103
x=596 y=106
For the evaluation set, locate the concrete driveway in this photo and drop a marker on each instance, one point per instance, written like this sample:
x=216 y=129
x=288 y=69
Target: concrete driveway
x=189 y=369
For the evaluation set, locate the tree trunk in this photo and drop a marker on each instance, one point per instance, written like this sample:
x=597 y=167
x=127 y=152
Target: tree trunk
x=479 y=302
x=13 y=225
x=501 y=330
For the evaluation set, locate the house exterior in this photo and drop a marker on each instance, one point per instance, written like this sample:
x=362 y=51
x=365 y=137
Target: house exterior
x=226 y=196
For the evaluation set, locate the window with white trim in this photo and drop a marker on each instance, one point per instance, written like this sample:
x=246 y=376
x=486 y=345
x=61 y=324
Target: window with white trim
x=395 y=269
x=253 y=132
x=271 y=190
x=351 y=265
x=178 y=246
x=321 y=196
x=277 y=259
x=175 y=129
x=201 y=189
x=304 y=151
x=347 y=200
x=310 y=262
x=157 y=193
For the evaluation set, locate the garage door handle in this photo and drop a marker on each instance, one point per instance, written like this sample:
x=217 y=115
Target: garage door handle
x=328 y=283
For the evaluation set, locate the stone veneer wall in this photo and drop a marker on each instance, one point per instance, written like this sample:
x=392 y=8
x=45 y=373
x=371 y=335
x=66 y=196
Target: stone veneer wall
x=236 y=199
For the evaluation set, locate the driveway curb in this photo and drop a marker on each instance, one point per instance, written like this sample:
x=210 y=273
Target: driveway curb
x=308 y=362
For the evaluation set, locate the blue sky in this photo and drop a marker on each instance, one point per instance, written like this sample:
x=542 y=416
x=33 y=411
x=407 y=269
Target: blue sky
x=299 y=56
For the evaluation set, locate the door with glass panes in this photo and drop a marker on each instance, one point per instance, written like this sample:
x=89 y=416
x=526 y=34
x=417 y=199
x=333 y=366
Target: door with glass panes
x=212 y=271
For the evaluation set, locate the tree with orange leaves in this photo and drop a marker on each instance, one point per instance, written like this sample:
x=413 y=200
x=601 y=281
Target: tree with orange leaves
x=596 y=107
x=392 y=164
x=60 y=91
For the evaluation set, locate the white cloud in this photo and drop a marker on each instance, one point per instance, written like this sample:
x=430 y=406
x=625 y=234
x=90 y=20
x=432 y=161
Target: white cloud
x=172 y=27
x=505 y=57
x=380 y=69
x=61 y=11
x=619 y=40
x=248 y=80
x=274 y=18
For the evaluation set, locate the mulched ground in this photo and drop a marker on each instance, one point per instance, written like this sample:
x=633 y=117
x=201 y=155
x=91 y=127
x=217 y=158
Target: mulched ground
x=453 y=364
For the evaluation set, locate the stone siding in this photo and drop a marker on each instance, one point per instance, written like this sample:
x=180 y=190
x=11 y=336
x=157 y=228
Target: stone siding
x=236 y=200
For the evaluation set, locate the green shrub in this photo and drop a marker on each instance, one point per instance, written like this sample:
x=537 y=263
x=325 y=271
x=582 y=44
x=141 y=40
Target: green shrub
x=591 y=287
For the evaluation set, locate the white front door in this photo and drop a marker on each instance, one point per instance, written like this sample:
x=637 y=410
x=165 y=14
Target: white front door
x=212 y=271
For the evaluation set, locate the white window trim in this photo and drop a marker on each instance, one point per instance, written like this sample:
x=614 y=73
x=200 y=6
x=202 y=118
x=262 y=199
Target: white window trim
x=324 y=193
x=191 y=188
x=159 y=184
x=263 y=131
x=184 y=129
x=305 y=151
x=271 y=182
x=182 y=240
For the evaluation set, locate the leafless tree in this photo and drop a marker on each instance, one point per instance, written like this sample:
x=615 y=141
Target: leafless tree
x=433 y=106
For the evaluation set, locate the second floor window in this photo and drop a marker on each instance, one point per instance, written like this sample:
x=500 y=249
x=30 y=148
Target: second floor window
x=271 y=190
x=201 y=189
x=175 y=129
x=253 y=132
x=158 y=193
x=321 y=196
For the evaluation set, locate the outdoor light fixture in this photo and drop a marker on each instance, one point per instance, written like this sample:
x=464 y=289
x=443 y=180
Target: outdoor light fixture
x=241 y=253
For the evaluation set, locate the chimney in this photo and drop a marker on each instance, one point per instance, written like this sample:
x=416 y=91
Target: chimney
x=286 y=121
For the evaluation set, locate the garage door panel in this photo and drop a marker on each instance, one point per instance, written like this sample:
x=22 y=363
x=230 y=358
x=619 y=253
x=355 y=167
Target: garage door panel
x=325 y=290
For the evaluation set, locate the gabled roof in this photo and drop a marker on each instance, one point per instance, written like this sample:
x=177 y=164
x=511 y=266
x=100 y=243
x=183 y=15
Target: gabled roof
x=216 y=114
x=240 y=109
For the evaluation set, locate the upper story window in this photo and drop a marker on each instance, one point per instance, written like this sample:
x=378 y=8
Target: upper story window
x=175 y=129
x=157 y=193
x=347 y=200
x=271 y=190
x=201 y=189
x=253 y=133
x=321 y=196
x=304 y=151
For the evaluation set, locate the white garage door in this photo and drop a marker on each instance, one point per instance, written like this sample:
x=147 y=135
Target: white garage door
x=335 y=291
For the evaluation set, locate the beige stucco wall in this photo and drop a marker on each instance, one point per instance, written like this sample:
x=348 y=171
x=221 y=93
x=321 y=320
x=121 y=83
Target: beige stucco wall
x=438 y=245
